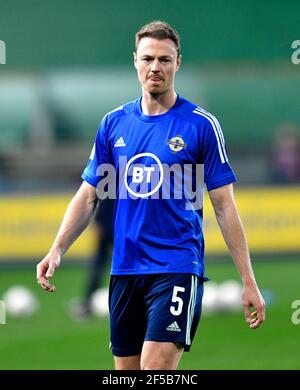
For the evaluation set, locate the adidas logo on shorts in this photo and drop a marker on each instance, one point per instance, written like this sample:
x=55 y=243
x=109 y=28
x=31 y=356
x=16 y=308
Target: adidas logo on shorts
x=173 y=327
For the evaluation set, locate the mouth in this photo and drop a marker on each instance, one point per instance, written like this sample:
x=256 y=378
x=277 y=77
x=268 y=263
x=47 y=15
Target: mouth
x=155 y=79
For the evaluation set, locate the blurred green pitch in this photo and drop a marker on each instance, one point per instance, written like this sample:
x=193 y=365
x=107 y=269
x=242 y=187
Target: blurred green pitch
x=51 y=340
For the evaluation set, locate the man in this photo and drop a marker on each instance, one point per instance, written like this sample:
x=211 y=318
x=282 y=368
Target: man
x=157 y=270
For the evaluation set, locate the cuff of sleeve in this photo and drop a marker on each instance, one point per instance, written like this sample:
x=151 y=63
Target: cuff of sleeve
x=89 y=179
x=221 y=181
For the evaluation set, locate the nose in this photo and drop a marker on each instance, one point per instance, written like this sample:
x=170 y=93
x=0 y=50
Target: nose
x=155 y=66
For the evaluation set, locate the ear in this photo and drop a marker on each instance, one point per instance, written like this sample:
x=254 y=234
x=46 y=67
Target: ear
x=135 y=59
x=178 y=62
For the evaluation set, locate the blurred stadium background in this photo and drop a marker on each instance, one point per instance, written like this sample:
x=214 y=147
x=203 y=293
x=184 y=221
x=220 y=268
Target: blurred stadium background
x=67 y=64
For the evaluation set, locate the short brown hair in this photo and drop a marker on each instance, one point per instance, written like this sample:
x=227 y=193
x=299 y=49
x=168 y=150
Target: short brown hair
x=158 y=30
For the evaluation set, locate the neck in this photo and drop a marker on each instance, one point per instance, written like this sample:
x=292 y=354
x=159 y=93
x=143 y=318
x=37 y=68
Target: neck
x=156 y=104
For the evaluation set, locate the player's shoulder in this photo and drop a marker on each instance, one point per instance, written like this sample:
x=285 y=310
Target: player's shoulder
x=196 y=114
x=120 y=111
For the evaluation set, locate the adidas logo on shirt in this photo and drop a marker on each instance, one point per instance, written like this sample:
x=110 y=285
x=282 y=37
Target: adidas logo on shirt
x=173 y=327
x=119 y=143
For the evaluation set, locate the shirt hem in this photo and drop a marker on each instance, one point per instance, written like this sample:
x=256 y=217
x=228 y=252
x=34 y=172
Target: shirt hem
x=156 y=271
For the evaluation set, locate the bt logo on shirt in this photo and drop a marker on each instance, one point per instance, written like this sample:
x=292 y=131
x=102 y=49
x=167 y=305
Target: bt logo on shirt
x=138 y=174
x=141 y=172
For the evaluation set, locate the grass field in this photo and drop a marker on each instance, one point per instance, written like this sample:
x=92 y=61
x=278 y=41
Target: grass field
x=52 y=340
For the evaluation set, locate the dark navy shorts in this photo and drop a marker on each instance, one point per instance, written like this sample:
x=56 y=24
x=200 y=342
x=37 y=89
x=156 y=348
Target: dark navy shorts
x=164 y=307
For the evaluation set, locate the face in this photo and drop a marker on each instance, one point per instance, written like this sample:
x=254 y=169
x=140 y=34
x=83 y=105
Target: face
x=156 y=62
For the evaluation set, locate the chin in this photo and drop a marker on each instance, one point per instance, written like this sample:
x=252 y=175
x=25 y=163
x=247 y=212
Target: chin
x=155 y=90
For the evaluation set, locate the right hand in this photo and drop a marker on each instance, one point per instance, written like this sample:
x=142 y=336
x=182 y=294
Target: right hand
x=252 y=298
x=45 y=270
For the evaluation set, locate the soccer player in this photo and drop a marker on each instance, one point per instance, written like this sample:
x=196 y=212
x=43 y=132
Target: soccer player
x=157 y=269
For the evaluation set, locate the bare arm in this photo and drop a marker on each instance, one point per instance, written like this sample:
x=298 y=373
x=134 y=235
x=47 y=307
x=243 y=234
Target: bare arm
x=233 y=232
x=77 y=217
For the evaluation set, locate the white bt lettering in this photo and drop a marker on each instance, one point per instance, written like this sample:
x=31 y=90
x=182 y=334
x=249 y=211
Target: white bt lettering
x=138 y=174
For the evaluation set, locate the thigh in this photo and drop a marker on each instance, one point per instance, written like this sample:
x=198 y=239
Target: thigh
x=160 y=355
x=128 y=362
x=174 y=303
x=127 y=316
